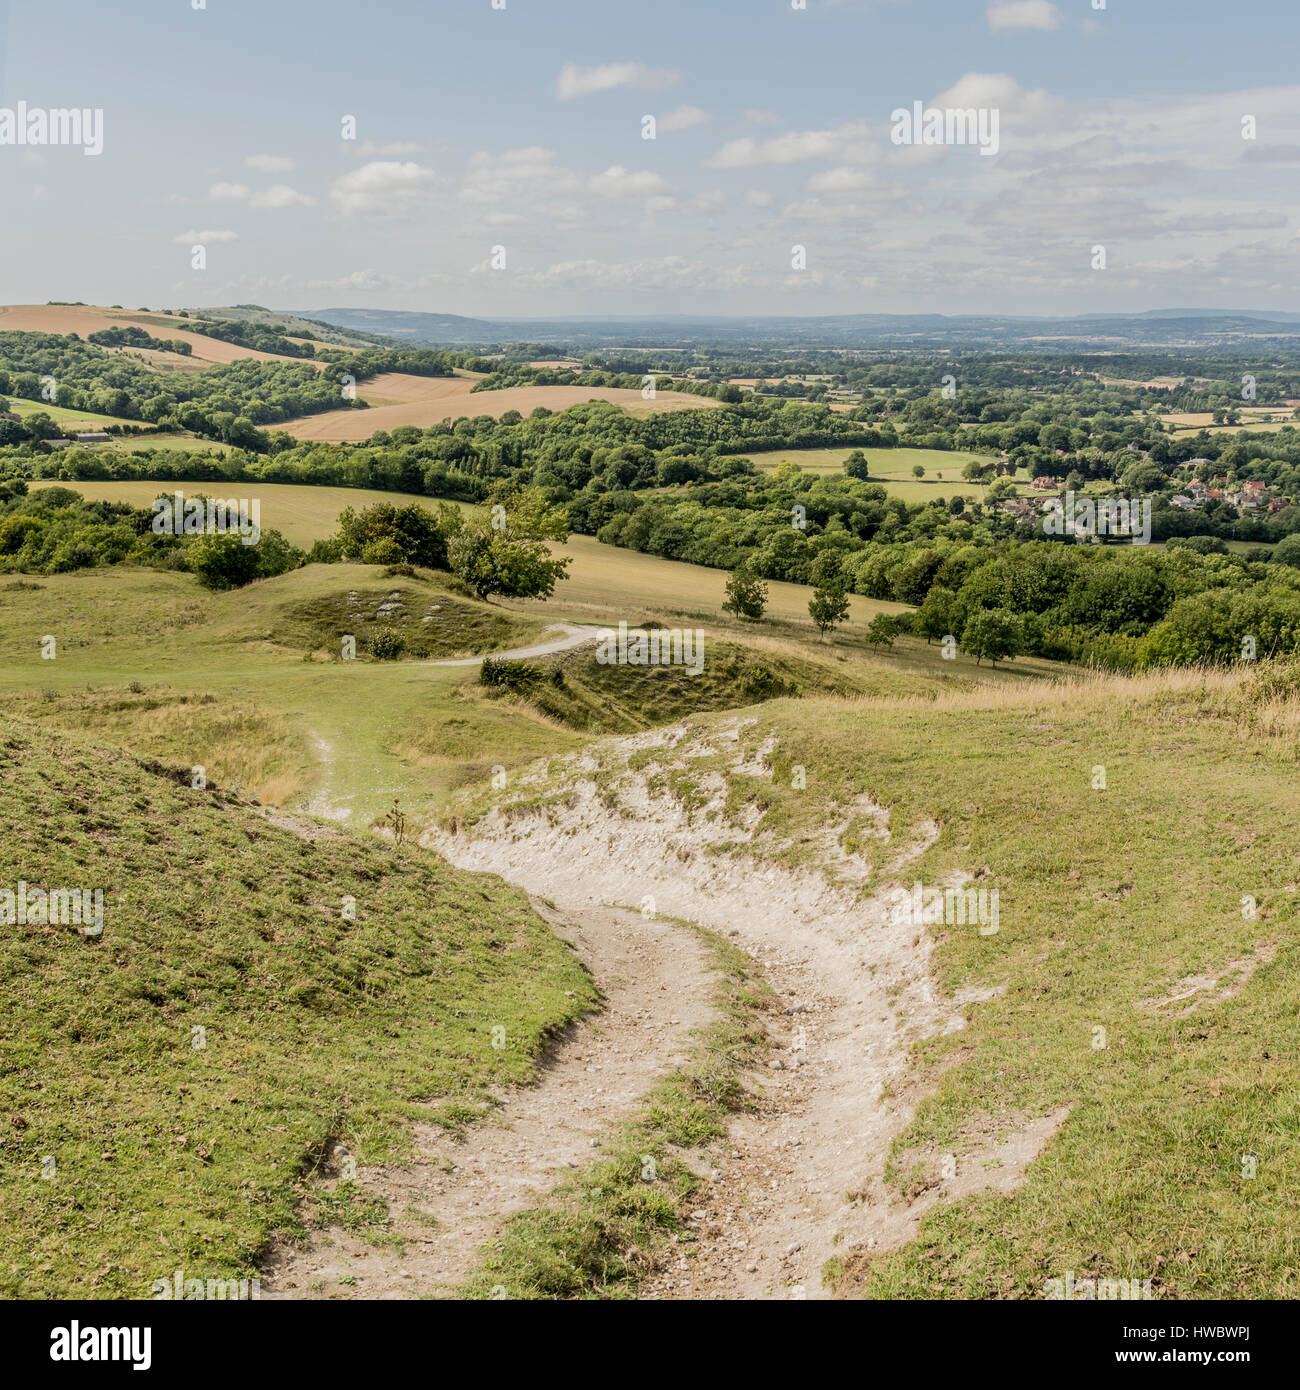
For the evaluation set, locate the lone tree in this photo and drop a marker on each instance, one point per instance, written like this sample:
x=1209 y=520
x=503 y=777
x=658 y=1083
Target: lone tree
x=855 y=466
x=746 y=595
x=1287 y=551
x=829 y=608
x=510 y=555
x=918 y=470
x=994 y=633
x=882 y=630
x=491 y=563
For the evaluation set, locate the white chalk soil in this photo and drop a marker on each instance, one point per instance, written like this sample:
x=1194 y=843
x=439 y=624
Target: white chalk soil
x=656 y=987
x=799 y=1179
x=574 y=636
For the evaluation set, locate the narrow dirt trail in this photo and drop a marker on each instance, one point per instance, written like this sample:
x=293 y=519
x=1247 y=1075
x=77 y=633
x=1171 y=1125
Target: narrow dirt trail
x=799 y=1179
x=657 y=986
x=574 y=636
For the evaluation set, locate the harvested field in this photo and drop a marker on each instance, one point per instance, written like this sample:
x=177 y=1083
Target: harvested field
x=397 y=399
x=85 y=319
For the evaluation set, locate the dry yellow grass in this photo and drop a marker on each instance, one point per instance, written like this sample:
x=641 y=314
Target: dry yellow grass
x=85 y=319
x=398 y=399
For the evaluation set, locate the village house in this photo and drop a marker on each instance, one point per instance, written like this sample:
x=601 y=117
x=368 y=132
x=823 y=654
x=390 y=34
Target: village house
x=1042 y=484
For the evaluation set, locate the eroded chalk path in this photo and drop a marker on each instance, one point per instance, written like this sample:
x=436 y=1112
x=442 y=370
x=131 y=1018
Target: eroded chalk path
x=656 y=983
x=799 y=1177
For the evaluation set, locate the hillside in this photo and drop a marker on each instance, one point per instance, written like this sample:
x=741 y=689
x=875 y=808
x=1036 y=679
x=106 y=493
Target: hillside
x=1187 y=327
x=85 y=319
x=396 y=399
x=1091 y=1072
x=170 y=1084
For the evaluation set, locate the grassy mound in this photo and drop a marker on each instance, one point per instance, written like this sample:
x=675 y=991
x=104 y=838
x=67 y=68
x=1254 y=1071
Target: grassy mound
x=239 y=743
x=579 y=692
x=408 y=618
x=177 y=1075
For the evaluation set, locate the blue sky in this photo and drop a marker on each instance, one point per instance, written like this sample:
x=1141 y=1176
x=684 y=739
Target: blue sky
x=522 y=128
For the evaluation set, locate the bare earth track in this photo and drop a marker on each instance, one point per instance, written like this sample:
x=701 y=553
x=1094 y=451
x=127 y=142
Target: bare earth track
x=799 y=1179
x=656 y=987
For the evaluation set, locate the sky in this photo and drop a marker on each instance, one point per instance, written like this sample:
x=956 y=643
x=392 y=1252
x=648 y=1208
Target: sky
x=500 y=166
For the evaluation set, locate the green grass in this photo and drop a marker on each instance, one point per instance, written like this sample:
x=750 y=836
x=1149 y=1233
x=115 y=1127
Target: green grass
x=603 y=698
x=892 y=468
x=315 y=1027
x=62 y=416
x=315 y=731
x=602 y=579
x=184 y=443
x=301 y=514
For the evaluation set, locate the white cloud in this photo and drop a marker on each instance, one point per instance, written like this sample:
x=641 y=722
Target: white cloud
x=356 y=280
x=842 y=179
x=1023 y=14
x=369 y=148
x=574 y=81
x=269 y=163
x=682 y=119
x=756 y=198
x=383 y=188
x=205 y=236
x=279 y=195
x=667 y=273
x=853 y=143
x=618 y=182
x=528 y=174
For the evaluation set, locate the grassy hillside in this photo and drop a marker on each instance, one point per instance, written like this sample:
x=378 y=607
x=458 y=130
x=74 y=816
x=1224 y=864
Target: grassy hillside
x=223 y=930
x=599 y=698
x=62 y=416
x=248 y=683
x=602 y=579
x=1144 y=973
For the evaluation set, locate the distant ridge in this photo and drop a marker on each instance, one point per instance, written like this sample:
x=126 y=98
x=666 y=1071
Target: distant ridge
x=1152 y=328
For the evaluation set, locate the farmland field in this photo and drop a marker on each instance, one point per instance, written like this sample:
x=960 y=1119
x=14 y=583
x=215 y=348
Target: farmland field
x=85 y=319
x=62 y=416
x=397 y=398
x=601 y=577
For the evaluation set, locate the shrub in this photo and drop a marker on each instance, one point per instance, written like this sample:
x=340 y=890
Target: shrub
x=746 y=596
x=510 y=675
x=384 y=551
x=387 y=645
x=222 y=561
